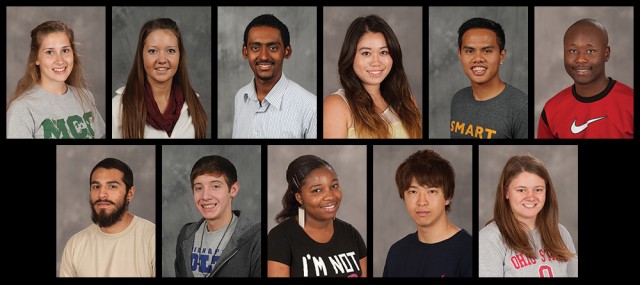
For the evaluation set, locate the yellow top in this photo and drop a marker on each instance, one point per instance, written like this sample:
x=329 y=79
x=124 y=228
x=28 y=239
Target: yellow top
x=396 y=129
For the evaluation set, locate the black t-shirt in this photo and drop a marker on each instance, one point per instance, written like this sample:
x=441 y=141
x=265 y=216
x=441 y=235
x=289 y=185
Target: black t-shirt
x=340 y=257
x=409 y=257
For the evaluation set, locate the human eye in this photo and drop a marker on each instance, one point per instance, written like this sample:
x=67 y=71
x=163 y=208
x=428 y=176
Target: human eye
x=411 y=191
x=197 y=188
x=365 y=53
x=171 y=51
x=591 y=51
x=273 y=48
x=539 y=189
x=48 y=52
x=151 y=51
x=316 y=190
x=487 y=51
x=384 y=52
x=255 y=48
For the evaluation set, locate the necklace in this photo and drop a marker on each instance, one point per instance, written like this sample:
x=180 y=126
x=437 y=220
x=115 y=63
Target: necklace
x=205 y=228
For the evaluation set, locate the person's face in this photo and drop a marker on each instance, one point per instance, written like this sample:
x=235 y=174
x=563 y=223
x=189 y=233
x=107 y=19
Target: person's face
x=425 y=204
x=480 y=55
x=320 y=194
x=161 y=56
x=55 y=59
x=265 y=52
x=212 y=195
x=585 y=54
x=109 y=198
x=526 y=195
x=372 y=62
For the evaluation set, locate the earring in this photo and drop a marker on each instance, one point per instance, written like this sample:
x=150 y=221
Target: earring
x=301 y=217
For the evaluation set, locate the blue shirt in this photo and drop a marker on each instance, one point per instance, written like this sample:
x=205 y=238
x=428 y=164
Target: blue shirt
x=288 y=111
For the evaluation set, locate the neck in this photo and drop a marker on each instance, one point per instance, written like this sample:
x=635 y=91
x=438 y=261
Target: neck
x=263 y=87
x=529 y=224
x=161 y=91
x=57 y=88
x=593 y=88
x=487 y=90
x=317 y=225
x=437 y=231
x=373 y=90
x=221 y=222
x=120 y=225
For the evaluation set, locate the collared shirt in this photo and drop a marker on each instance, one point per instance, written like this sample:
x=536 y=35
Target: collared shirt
x=288 y=111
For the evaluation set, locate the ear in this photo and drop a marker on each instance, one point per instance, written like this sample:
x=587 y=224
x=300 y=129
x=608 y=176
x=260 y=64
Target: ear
x=37 y=62
x=447 y=202
x=459 y=54
x=234 y=189
x=503 y=54
x=506 y=196
x=132 y=193
x=244 y=51
x=607 y=52
x=287 y=52
x=298 y=198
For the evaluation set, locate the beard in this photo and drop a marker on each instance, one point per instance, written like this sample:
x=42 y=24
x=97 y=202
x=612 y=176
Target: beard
x=102 y=218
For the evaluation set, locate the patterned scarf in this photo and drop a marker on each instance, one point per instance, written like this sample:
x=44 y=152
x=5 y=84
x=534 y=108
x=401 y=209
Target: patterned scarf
x=168 y=120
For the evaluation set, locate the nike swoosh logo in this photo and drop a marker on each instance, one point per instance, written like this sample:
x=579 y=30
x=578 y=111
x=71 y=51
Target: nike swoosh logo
x=577 y=129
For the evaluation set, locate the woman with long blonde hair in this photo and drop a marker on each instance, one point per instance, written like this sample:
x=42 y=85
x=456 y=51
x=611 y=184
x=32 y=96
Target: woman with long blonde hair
x=51 y=100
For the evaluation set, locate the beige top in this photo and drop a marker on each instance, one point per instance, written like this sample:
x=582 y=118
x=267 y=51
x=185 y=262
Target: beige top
x=129 y=253
x=395 y=125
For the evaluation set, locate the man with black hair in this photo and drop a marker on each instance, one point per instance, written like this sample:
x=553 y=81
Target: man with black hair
x=118 y=244
x=271 y=105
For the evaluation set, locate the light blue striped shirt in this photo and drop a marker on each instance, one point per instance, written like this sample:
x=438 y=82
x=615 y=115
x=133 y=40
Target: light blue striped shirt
x=288 y=111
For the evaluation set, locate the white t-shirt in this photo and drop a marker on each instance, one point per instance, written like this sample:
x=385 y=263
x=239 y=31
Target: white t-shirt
x=129 y=253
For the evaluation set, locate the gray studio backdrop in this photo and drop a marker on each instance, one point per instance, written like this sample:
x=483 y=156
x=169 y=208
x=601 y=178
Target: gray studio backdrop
x=550 y=25
x=391 y=222
x=561 y=162
x=88 y=24
x=446 y=76
x=73 y=168
x=195 y=27
x=178 y=207
x=350 y=164
x=406 y=23
x=235 y=72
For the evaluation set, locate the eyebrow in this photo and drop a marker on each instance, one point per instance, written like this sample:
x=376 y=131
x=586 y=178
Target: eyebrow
x=108 y=182
x=368 y=48
x=268 y=44
x=334 y=180
x=55 y=48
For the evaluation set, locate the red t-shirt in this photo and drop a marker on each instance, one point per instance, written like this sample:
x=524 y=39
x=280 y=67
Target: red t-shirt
x=606 y=115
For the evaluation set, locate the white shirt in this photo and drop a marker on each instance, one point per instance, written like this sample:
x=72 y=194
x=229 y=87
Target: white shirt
x=183 y=128
x=288 y=111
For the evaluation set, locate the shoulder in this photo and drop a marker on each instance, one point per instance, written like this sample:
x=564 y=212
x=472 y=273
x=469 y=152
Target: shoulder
x=461 y=94
x=463 y=235
x=336 y=103
x=517 y=94
x=490 y=232
x=145 y=224
x=623 y=88
x=561 y=96
x=301 y=93
x=84 y=234
x=340 y=224
x=120 y=90
x=563 y=231
x=282 y=227
x=404 y=241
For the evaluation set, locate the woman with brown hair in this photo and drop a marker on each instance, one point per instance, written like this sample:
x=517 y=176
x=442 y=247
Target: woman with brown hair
x=51 y=100
x=525 y=239
x=376 y=99
x=158 y=100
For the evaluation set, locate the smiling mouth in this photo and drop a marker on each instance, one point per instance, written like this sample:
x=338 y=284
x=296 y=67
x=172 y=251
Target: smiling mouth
x=59 y=70
x=209 y=206
x=162 y=69
x=375 y=72
x=529 y=205
x=479 y=70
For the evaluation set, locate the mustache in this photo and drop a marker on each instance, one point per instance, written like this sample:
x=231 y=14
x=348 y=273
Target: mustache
x=103 y=201
x=265 y=61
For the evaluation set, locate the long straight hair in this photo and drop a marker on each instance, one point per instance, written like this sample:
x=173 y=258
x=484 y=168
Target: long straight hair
x=513 y=232
x=134 y=114
x=32 y=73
x=395 y=87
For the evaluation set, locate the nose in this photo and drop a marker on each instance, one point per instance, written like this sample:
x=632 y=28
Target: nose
x=477 y=58
x=330 y=195
x=422 y=200
x=59 y=58
x=102 y=193
x=264 y=53
x=581 y=58
x=207 y=194
x=162 y=57
x=375 y=60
